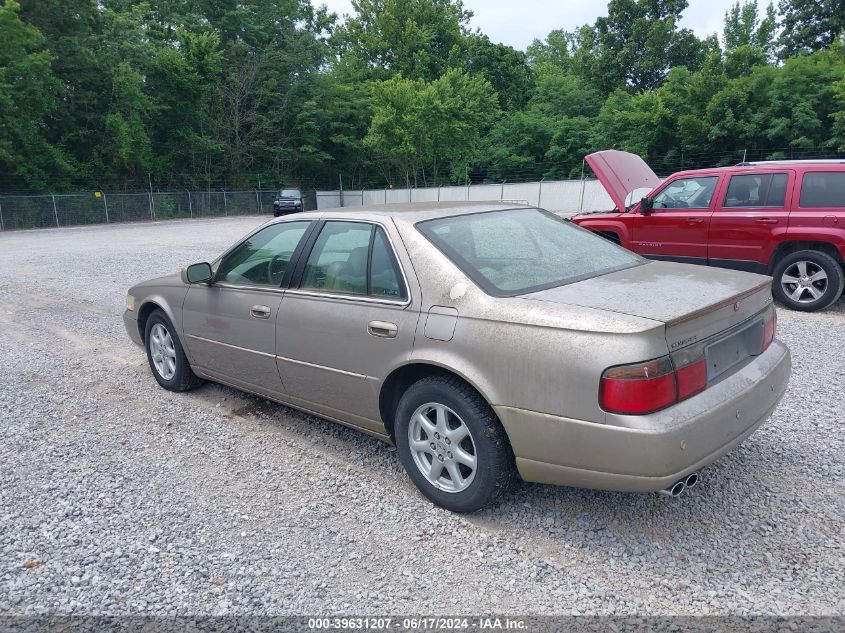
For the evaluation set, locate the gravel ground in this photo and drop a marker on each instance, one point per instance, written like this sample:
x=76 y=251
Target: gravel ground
x=119 y=497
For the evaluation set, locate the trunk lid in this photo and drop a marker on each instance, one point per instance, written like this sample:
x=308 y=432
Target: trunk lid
x=694 y=302
x=621 y=173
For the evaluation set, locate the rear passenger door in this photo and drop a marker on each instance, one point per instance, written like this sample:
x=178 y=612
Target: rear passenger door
x=818 y=209
x=750 y=214
x=348 y=318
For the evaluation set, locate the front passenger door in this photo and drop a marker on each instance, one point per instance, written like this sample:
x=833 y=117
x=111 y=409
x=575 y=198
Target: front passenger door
x=676 y=228
x=230 y=324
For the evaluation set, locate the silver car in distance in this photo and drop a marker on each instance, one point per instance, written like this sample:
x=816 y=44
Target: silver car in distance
x=487 y=342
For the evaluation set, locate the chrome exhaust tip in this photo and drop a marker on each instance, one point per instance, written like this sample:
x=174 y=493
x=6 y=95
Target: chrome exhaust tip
x=692 y=480
x=675 y=489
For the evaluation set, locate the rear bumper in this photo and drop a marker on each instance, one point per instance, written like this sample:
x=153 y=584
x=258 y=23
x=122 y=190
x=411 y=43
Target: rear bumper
x=653 y=451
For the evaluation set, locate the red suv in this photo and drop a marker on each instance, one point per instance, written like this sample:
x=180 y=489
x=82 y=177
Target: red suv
x=780 y=218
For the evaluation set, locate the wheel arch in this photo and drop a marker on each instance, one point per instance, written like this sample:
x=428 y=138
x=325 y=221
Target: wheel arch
x=148 y=306
x=786 y=248
x=612 y=229
x=403 y=377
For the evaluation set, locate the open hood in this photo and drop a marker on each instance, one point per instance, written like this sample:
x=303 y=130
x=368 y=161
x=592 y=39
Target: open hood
x=621 y=173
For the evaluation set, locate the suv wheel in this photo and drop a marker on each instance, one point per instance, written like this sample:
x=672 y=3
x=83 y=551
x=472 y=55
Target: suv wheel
x=808 y=281
x=452 y=444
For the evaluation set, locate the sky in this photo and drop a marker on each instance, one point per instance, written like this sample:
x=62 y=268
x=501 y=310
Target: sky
x=519 y=22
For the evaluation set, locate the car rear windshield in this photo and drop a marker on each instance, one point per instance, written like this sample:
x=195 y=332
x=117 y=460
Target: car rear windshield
x=517 y=251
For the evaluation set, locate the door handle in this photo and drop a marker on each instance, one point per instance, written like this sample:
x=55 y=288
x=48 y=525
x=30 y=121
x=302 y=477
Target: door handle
x=766 y=220
x=260 y=312
x=382 y=329
x=695 y=220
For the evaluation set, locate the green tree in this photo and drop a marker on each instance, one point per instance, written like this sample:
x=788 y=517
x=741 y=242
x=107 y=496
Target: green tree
x=420 y=129
x=556 y=50
x=503 y=66
x=637 y=43
x=744 y=27
x=810 y=25
x=27 y=105
x=418 y=39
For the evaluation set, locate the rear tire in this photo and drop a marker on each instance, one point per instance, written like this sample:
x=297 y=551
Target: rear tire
x=464 y=473
x=165 y=355
x=808 y=281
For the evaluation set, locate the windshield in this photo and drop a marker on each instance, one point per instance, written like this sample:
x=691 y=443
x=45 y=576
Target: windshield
x=290 y=193
x=518 y=251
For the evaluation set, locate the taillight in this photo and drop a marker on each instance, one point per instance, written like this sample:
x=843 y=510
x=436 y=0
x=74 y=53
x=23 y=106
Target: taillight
x=638 y=389
x=648 y=387
x=769 y=327
x=657 y=384
x=691 y=370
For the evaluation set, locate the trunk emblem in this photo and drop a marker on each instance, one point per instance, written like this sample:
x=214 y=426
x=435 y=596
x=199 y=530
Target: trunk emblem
x=736 y=306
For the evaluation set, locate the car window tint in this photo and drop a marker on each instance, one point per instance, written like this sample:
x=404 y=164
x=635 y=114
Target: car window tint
x=756 y=190
x=385 y=278
x=338 y=261
x=263 y=258
x=687 y=193
x=823 y=189
x=522 y=250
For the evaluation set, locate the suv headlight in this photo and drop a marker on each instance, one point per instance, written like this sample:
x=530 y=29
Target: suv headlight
x=130 y=302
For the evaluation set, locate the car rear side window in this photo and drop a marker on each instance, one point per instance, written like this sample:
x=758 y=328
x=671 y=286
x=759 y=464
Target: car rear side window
x=823 y=189
x=756 y=190
x=338 y=261
x=385 y=278
x=354 y=258
x=517 y=251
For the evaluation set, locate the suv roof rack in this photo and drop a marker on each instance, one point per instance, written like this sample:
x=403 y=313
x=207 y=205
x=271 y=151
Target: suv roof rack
x=757 y=163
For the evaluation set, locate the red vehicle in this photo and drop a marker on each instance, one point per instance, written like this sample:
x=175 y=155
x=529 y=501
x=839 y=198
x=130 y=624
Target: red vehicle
x=780 y=218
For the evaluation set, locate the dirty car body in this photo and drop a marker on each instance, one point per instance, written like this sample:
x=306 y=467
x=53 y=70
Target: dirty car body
x=588 y=365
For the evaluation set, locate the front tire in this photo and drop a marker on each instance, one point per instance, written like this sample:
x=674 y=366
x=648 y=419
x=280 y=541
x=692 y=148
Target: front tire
x=165 y=355
x=452 y=445
x=808 y=281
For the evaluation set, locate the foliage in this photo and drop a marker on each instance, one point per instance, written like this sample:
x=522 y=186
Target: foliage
x=418 y=39
x=743 y=27
x=118 y=94
x=420 y=128
x=810 y=25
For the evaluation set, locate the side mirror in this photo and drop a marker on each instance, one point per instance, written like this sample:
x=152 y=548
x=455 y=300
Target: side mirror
x=197 y=273
x=646 y=205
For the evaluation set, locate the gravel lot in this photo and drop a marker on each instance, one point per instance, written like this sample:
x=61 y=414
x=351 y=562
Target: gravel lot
x=119 y=497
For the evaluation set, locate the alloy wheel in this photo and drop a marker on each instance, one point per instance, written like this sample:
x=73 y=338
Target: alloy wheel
x=804 y=282
x=442 y=447
x=162 y=351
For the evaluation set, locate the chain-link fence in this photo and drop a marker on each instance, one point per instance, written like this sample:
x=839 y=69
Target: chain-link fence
x=99 y=207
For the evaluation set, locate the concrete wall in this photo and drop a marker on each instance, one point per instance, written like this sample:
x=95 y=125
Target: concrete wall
x=561 y=196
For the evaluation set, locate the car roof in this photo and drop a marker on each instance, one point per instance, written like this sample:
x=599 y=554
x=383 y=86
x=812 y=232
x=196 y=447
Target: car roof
x=410 y=212
x=771 y=165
